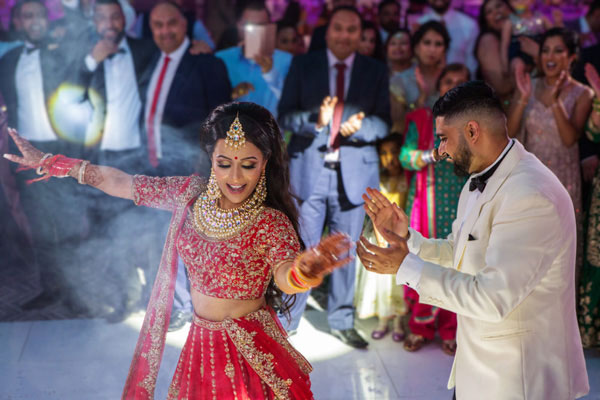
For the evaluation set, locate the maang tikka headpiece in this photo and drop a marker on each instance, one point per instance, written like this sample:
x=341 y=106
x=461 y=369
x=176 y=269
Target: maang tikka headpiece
x=236 y=138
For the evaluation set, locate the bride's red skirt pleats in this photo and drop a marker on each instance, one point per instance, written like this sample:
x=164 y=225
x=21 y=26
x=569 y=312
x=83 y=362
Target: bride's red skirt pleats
x=243 y=358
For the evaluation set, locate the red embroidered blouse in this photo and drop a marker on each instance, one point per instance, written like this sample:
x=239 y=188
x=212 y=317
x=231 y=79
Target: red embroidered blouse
x=236 y=268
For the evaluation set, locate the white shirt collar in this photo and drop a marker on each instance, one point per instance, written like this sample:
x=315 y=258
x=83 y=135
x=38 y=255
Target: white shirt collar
x=506 y=149
x=179 y=52
x=29 y=45
x=123 y=45
x=332 y=60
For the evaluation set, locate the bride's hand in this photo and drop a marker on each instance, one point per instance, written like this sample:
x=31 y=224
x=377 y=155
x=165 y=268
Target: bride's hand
x=329 y=254
x=30 y=155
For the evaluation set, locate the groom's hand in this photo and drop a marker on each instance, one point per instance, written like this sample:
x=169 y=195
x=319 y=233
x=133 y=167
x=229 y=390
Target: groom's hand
x=383 y=260
x=384 y=214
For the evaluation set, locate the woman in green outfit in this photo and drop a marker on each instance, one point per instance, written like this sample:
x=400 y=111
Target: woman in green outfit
x=589 y=287
x=432 y=201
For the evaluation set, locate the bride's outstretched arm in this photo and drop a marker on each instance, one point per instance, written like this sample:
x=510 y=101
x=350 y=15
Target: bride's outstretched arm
x=110 y=180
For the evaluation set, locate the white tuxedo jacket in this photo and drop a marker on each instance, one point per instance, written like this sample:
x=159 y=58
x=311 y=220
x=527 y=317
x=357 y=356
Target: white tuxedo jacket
x=511 y=283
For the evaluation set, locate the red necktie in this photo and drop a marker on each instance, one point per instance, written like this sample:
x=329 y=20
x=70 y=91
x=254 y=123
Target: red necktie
x=339 y=106
x=150 y=123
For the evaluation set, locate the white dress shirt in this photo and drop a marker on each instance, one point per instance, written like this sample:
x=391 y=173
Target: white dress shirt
x=32 y=115
x=123 y=104
x=334 y=155
x=409 y=273
x=463 y=32
x=175 y=57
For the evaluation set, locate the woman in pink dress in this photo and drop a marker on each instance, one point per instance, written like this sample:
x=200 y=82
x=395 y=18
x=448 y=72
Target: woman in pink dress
x=548 y=114
x=237 y=235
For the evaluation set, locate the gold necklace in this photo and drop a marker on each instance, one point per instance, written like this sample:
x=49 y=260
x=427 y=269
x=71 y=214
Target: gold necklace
x=215 y=222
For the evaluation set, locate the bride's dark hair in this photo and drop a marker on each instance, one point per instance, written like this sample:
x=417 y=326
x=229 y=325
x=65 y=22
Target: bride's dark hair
x=261 y=130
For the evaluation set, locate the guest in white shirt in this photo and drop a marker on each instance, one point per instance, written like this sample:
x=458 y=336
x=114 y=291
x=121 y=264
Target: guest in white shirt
x=463 y=32
x=115 y=66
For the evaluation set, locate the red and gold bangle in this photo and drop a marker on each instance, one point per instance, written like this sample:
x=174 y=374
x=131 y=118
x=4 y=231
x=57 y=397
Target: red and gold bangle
x=291 y=283
x=297 y=280
x=311 y=282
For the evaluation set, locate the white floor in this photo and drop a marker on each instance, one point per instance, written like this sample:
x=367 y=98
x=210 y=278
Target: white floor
x=89 y=359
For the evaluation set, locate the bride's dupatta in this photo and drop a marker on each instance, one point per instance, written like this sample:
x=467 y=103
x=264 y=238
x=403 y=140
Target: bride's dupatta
x=147 y=357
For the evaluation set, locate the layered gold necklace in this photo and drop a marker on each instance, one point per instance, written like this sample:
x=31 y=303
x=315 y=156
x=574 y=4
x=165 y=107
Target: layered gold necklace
x=218 y=223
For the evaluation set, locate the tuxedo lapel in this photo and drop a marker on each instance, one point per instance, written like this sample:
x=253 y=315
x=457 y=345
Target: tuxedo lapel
x=514 y=155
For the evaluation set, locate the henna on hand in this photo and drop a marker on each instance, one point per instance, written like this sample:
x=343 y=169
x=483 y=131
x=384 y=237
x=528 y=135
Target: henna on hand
x=93 y=176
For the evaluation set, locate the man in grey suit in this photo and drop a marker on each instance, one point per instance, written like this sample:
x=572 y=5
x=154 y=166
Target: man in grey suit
x=336 y=104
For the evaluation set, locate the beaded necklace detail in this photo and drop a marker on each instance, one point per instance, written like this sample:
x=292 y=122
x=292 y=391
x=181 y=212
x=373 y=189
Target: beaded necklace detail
x=218 y=223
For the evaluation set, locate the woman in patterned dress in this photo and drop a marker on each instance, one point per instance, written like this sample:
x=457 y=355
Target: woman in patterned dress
x=548 y=115
x=432 y=201
x=237 y=235
x=589 y=287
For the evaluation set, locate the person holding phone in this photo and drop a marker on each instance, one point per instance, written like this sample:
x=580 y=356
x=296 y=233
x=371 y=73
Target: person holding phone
x=256 y=76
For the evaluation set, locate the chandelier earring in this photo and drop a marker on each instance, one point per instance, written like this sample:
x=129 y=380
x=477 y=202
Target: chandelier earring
x=261 y=189
x=212 y=189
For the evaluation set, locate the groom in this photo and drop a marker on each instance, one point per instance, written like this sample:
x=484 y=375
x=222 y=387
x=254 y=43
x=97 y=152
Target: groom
x=507 y=268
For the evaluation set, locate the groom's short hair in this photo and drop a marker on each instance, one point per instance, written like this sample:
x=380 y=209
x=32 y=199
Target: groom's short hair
x=470 y=100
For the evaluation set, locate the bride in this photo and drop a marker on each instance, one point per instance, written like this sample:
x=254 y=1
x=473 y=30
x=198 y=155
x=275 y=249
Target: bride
x=237 y=234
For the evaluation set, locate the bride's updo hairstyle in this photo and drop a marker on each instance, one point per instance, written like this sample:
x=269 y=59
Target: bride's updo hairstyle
x=261 y=130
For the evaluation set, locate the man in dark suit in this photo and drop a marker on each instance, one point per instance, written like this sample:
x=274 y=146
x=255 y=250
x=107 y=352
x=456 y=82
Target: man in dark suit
x=31 y=76
x=183 y=89
x=176 y=105
x=336 y=104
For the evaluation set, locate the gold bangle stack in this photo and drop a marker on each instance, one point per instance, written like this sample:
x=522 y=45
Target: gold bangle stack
x=298 y=280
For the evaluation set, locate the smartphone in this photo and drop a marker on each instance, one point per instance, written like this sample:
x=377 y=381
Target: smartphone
x=259 y=40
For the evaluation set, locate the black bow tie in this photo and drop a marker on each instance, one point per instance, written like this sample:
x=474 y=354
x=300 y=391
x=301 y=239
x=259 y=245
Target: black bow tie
x=480 y=181
x=120 y=51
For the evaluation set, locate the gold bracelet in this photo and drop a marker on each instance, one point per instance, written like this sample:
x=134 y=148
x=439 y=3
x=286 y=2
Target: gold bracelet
x=81 y=175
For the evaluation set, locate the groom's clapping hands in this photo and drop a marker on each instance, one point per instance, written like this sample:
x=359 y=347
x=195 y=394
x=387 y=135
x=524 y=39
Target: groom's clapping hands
x=383 y=260
x=392 y=223
x=384 y=214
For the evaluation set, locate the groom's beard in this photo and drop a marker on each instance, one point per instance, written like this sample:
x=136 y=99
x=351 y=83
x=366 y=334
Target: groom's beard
x=462 y=159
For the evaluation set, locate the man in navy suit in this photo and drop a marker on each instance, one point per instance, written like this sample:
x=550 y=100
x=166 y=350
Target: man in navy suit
x=183 y=89
x=336 y=104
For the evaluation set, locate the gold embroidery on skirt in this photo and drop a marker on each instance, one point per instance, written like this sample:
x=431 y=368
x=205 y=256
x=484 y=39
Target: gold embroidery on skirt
x=229 y=369
x=212 y=366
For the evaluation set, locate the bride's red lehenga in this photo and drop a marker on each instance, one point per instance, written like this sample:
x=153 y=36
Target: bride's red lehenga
x=242 y=358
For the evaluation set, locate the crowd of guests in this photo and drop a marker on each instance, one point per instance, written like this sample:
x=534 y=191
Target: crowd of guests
x=131 y=87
